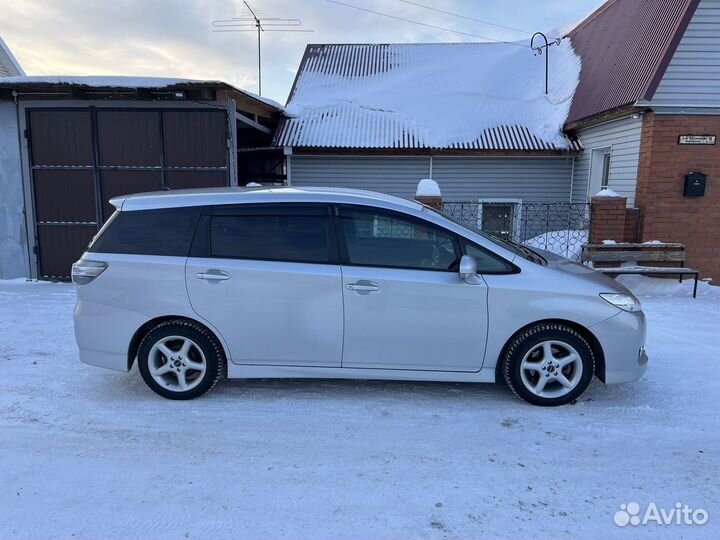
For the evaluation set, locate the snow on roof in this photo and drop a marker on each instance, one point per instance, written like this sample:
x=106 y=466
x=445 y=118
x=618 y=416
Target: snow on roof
x=9 y=65
x=444 y=95
x=117 y=81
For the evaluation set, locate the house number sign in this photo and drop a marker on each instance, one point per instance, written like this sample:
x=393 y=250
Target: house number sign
x=696 y=139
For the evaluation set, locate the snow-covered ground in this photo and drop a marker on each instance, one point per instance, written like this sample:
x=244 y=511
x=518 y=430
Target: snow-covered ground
x=87 y=453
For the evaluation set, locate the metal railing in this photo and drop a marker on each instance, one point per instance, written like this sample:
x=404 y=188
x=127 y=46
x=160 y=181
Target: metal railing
x=560 y=227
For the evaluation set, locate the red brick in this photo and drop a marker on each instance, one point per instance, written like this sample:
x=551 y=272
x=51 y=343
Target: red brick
x=665 y=214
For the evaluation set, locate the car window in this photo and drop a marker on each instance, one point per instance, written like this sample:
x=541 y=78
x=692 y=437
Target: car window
x=165 y=231
x=292 y=238
x=388 y=239
x=487 y=263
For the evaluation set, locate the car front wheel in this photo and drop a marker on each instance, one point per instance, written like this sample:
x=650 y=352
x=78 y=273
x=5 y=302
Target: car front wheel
x=548 y=364
x=180 y=359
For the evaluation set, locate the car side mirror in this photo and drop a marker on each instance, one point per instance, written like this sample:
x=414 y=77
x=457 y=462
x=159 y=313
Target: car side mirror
x=468 y=266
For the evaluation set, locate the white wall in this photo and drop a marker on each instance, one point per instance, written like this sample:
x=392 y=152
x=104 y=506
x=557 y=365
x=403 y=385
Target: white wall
x=532 y=179
x=13 y=249
x=622 y=136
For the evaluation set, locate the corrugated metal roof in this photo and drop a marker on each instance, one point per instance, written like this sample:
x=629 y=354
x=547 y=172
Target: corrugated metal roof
x=329 y=76
x=625 y=47
x=340 y=128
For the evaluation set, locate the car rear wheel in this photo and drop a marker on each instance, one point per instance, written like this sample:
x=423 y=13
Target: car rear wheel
x=180 y=359
x=548 y=364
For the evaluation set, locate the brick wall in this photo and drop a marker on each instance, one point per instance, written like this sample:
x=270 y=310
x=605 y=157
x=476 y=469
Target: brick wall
x=434 y=202
x=607 y=219
x=632 y=225
x=666 y=214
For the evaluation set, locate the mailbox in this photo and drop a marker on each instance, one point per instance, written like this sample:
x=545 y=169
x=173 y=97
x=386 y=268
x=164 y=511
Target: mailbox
x=695 y=184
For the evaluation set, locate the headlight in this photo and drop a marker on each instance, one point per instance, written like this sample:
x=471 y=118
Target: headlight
x=625 y=302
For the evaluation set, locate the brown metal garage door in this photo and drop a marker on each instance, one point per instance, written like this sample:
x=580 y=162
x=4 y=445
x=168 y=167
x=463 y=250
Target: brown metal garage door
x=81 y=158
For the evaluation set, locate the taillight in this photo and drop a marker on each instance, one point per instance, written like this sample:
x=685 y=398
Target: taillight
x=83 y=272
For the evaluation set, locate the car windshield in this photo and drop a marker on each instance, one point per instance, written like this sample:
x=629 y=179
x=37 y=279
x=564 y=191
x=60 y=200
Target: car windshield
x=515 y=247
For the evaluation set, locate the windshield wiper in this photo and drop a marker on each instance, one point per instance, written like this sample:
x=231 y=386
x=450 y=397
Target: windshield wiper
x=529 y=254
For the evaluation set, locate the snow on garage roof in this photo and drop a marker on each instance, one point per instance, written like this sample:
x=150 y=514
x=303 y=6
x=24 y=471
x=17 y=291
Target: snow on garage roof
x=460 y=96
x=117 y=81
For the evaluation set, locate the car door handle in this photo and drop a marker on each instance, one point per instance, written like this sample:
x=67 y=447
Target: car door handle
x=363 y=286
x=213 y=275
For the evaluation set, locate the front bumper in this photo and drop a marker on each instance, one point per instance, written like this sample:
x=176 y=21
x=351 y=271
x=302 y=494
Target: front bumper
x=622 y=338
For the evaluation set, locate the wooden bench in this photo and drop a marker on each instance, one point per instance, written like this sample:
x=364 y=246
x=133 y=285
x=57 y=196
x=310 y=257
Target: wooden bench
x=641 y=253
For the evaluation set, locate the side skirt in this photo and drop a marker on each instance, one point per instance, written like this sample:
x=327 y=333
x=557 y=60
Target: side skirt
x=235 y=371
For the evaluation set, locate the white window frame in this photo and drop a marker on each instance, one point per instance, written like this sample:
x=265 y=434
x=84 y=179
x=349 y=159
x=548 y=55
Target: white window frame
x=517 y=213
x=598 y=153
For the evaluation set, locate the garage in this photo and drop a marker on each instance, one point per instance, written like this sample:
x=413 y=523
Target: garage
x=83 y=144
x=81 y=158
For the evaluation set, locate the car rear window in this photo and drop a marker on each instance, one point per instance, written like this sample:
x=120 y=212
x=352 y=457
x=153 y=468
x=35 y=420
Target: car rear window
x=165 y=231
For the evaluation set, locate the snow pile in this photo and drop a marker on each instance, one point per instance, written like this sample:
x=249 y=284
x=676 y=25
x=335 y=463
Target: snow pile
x=428 y=188
x=438 y=95
x=607 y=192
x=567 y=243
x=609 y=242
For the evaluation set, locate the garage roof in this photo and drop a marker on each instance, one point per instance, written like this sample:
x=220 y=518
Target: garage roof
x=36 y=83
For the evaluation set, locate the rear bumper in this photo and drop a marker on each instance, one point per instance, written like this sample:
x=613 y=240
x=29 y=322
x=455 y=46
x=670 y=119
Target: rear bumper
x=103 y=334
x=622 y=338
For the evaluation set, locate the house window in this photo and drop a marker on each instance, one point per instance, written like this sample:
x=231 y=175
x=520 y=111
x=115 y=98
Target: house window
x=606 y=171
x=600 y=159
x=499 y=217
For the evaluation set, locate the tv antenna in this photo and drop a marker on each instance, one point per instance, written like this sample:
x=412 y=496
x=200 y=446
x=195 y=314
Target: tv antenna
x=256 y=22
x=539 y=50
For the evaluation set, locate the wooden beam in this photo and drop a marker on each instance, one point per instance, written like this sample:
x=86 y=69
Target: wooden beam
x=252 y=123
x=625 y=256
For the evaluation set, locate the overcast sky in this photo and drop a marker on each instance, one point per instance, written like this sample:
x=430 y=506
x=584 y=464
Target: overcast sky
x=174 y=38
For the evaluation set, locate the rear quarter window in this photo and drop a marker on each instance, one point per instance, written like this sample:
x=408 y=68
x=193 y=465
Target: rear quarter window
x=165 y=231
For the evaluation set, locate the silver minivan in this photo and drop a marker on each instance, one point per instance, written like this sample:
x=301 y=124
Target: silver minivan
x=330 y=283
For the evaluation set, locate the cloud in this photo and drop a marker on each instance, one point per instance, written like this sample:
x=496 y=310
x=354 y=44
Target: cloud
x=174 y=38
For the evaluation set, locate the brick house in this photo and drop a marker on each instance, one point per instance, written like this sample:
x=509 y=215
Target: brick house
x=647 y=112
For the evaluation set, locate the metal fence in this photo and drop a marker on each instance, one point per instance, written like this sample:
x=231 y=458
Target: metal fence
x=559 y=227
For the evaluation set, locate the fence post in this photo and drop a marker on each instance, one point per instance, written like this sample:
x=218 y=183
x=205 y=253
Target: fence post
x=428 y=192
x=607 y=217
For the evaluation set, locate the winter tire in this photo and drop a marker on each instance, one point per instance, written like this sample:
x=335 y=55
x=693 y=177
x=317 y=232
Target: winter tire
x=548 y=364
x=180 y=359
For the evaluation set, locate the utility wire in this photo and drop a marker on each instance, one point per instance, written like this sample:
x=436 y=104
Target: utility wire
x=422 y=23
x=465 y=17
